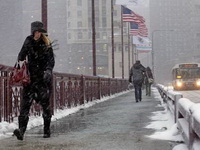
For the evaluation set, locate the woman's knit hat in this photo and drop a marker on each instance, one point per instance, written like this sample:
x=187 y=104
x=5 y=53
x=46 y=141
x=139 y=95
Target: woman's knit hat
x=37 y=26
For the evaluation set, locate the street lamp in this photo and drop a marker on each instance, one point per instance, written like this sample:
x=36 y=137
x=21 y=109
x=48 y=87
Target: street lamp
x=153 y=32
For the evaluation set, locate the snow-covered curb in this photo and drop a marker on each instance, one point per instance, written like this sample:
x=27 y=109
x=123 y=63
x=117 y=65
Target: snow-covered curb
x=163 y=123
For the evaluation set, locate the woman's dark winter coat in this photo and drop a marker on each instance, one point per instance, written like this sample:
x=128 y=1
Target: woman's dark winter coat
x=40 y=58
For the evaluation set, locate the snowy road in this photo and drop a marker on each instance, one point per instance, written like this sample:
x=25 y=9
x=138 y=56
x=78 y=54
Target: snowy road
x=193 y=95
x=116 y=124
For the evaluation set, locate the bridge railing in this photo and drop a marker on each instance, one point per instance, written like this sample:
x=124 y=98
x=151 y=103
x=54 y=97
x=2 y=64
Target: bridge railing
x=68 y=90
x=171 y=98
x=187 y=116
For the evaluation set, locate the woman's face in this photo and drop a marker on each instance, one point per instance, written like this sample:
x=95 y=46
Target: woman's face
x=37 y=35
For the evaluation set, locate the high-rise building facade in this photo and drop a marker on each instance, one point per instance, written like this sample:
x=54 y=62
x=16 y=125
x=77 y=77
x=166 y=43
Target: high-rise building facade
x=79 y=28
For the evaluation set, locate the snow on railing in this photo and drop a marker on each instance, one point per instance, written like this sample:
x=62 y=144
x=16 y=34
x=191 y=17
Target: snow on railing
x=171 y=98
x=186 y=114
x=183 y=119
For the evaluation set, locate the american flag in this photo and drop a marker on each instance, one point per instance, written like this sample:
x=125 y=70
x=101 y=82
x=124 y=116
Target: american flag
x=143 y=31
x=130 y=16
x=133 y=29
x=138 y=29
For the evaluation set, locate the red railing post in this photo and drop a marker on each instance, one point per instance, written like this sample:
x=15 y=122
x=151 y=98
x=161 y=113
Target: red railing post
x=82 y=99
x=1 y=98
x=99 y=88
x=69 y=90
x=7 y=98
x=62 y=94
x=109 y=85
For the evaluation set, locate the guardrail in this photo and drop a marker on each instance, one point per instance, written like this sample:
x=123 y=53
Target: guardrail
x=69 y=90
x=171 y=98
x=186 y=114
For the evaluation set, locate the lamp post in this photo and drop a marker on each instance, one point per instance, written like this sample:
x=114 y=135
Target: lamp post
x=153 y=63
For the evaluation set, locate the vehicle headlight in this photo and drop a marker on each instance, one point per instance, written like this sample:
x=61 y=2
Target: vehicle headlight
x=179 y=83
x=198 y=82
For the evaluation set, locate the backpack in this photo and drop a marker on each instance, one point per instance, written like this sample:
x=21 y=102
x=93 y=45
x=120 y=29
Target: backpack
x=138 y=76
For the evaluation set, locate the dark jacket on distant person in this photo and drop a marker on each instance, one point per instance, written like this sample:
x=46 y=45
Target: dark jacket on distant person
x=149 y=75
x=137 y=73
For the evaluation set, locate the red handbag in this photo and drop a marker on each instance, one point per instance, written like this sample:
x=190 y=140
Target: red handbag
x=20 y=75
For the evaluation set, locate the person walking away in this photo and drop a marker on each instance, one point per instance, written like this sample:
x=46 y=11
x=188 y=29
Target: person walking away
x=148 y=81
x=37 y=48
x=136 y=76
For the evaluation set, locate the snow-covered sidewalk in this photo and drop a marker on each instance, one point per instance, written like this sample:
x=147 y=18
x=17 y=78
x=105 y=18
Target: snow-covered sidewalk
x=6 y=129
x=163 y=123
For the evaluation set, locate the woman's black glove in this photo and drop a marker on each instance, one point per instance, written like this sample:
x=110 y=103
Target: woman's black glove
x=47 y=76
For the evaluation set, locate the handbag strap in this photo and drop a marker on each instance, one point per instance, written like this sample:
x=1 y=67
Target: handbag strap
x=17 y=65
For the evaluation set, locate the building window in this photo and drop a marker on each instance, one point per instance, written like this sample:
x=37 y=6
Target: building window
x=126 y=48
x=97 y=35
x=69 y=14
x=120 y=64
x=115 y=48
x=79 y=13
x=116 y=24
x=89 y=22
x=120 y=48
x=79 y=24
x=69 y=3
x=80 y=35
x=79 y=2
x=97 y=22
x=104 y=10
x=105 y=47
x=104 y=34
x=90 y=35
x=115 y=13
x=69 y=36
x=104 y=22
x=69 y=24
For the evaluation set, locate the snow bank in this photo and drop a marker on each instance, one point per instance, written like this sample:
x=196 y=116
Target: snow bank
x=180 y=147
x=163 y=123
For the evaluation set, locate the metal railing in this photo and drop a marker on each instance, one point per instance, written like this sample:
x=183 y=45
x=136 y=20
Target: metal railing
x=69 y=90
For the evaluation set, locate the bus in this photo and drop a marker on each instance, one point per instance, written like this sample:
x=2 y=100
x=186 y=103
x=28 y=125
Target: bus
x=186 y=76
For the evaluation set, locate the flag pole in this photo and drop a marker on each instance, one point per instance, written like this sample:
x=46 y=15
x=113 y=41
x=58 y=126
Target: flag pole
x=122 y=40
x=93 y=39
x=129 y=46
x=112 y=34
x=132 y=50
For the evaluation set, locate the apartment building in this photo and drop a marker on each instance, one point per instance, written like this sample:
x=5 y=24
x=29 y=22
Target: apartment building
x=79 y=28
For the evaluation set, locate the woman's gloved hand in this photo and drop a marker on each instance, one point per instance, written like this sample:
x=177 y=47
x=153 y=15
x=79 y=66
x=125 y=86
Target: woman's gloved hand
x=47 y=75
